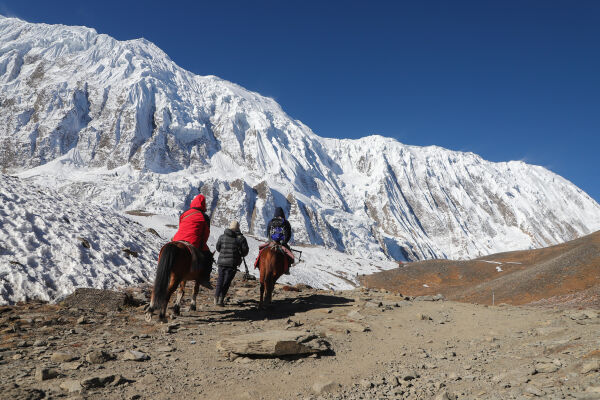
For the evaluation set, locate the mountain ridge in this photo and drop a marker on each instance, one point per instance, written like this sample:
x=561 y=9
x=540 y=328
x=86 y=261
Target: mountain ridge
x=120 y=122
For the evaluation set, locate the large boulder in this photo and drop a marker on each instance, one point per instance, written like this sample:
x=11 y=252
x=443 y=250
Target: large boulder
x=274 y=344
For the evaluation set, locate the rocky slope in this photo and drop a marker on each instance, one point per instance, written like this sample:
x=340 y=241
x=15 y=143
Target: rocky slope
x=120 y=123
x=381 y=346
x=561 y=274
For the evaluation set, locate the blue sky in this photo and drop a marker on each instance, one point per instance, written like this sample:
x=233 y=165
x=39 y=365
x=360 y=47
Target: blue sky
x=508 y=80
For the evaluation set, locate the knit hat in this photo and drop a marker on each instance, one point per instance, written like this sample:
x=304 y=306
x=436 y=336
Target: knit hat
x=234 y=226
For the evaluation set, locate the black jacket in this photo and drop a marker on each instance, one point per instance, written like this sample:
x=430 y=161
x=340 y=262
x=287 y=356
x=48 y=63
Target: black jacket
x=232 y=246
x=287 y=229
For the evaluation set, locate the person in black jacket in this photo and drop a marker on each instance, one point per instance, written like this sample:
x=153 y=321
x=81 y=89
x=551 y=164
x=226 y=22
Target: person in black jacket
x=232 y=246
x=279 y=229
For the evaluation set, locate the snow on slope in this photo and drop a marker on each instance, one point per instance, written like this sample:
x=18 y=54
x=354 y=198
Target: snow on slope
x=119 y=122
x=42 y=255
x=41 y=251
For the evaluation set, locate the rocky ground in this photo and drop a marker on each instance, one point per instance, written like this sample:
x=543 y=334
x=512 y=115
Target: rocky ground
x=360 y=344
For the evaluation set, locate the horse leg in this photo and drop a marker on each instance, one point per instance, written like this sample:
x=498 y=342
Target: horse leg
x=194 y=294
x=180 y=293
x=150 y=309
x=269 y=295
x=172 y=287
x=262 y=290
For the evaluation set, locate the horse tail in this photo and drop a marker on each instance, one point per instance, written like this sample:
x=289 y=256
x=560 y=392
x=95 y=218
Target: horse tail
x=163 y=275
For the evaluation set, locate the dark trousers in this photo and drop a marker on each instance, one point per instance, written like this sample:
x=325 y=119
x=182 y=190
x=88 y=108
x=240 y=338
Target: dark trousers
x=226 y=275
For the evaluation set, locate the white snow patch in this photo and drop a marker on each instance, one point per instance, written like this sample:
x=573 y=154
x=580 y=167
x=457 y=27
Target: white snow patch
x=41 y=250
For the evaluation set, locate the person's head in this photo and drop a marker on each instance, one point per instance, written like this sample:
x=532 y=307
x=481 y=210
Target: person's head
x=279 y=213
x=199 y=202
x=234 y=226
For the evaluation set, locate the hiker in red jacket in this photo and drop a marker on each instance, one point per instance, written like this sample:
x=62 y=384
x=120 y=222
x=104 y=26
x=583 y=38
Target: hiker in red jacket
x=194 y=228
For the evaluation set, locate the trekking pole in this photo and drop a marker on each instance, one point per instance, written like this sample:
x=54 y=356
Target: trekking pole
x=247 y=273
x=298 y=251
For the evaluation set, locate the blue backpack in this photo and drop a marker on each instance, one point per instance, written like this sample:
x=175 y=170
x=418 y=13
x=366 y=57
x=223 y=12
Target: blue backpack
x=277 y=233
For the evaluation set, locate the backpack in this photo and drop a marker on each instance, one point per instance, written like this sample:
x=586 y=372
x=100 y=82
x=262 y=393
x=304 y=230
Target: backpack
x=277 y=232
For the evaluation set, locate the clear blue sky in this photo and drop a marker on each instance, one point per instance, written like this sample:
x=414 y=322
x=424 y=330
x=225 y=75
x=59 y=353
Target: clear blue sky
x=508 y=80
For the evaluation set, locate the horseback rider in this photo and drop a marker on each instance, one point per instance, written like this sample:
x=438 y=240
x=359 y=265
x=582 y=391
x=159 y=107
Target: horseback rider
x=194 y=228
x=279 y=231
x=232 y=246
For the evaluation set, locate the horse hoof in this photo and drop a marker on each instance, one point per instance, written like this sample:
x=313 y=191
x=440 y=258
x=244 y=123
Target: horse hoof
x=176 y=310
x=148 y=317
x=193 y=307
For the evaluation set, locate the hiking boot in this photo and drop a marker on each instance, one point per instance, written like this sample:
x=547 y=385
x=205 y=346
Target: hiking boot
x=221 y=301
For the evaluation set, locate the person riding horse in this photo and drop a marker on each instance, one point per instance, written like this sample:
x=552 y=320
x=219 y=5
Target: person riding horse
x=194 y=228
x=279 y=230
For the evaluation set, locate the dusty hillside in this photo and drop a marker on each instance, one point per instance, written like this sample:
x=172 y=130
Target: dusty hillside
x=558 y=273
x=378 y=346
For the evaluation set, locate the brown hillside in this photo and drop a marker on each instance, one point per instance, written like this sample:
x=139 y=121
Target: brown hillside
x=556 y=273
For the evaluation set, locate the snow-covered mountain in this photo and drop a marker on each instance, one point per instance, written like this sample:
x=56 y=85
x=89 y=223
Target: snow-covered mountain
x=120 y=123
x=51 y=244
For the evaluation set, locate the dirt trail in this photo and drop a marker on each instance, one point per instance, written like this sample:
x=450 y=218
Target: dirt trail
x=384 y=346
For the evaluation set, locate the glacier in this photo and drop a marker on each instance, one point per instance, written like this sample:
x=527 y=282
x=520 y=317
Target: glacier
x=120 y=124
x=51 y=244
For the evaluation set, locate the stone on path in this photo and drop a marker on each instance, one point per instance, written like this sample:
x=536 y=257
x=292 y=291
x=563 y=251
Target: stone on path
x=546 y=367
x=325 y=387
x=71 y=386
x=71 y=366
x=43 y=374
x=591 y=366
x=274 y=343
x=134 y=355
x=98 y=357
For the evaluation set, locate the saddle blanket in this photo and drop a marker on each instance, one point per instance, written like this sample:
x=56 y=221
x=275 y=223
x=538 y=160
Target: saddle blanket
x=288 y=260
x=195 y=267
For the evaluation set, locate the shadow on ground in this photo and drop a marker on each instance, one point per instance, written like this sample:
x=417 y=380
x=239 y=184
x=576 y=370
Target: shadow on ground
x=284 y=308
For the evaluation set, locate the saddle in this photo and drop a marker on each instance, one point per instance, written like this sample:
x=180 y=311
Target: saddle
x=195 y=253
x=289 y=259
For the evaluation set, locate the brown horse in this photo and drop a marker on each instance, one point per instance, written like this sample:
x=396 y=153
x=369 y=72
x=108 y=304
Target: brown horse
x=175 y=268
x=271 y=266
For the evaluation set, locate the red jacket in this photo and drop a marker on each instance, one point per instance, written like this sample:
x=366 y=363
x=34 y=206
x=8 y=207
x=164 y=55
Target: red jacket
x=194 y=228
